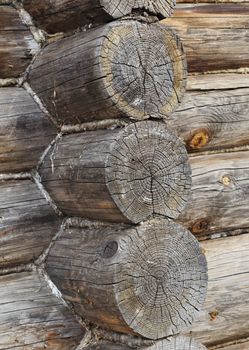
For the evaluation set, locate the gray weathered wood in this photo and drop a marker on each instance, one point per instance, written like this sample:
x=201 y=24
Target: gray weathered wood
x=215 y=36
x=119 y=175
x=63 y=15
x=25 y=132
x=31 y=317
x=124 y=68
x=150 y=280
x=238 y=345
x=17 y=45
x=225 y=317
x=27 y=222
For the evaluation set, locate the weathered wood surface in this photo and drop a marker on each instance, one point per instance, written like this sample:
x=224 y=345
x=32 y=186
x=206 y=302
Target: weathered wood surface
x=150 y=280
x=31 y=317
x=175 y=343
x=214 y=113
x=63 y=15
x=17 y=45
x=215 y=36
x=124 y=68
x=25 y=132
x=119 y=175
x=219 y=199
x=238 y=345
x=225 y=316
x=27 y=222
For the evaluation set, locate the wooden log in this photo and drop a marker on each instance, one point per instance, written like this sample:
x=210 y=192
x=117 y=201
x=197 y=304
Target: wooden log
x=123 y=68
x=31 y=317
x=17 y=45
x=149 y=280
x=27 y=222
x=237 y=345
x=59 y=16
x=219 y=200
x=215 y=36
x=119 y=175
x=225 y=316
x=175 y=343
x=25 y=132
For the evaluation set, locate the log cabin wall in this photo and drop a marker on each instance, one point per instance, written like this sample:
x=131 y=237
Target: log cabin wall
x=43 y=118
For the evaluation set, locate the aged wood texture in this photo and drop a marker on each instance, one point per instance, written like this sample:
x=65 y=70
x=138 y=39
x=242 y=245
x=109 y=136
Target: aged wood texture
x=125 y=68
x=119 y=175
x=219 y=199
x=63 y=15
x=150 y=279
x=175 y=343
x=215 y=36
x=31 y=317
x=217 y=81
x=27 y=222
x=17 y=45
x=238 y=345
x=225 y=316
x=25 y=132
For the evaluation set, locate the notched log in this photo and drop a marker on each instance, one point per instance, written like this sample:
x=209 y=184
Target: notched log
x=125 y=68
x=119 y=175
x=149 y=280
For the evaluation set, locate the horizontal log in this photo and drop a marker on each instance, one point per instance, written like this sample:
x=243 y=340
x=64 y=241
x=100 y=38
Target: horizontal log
x=17 y=45
x=118 y=175
x=31 y=317
x=149 y=280
x=238 y=345
x=111 y=71
x=60 y=16
x=27 y=222
x=225 y=316
x=215 y=36
x=175 y=343
x=219 y=199
x=217 y=81
x=25 y=132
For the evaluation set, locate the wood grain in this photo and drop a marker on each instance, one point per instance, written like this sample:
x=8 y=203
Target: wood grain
x=17 y=45
x=25 y=132
x=149 y=280
x=31 y=317
x=27 y=222
x=125 y=68
x=215 y=36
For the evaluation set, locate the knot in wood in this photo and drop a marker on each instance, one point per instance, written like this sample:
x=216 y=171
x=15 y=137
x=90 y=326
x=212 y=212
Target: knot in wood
x=110 y=249
x=147 y=172
x=199 y=139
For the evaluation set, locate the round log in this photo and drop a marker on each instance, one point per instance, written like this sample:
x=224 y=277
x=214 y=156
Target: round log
x=124 y=68
x=119 y=175
x=148 y=280
x=63 y=15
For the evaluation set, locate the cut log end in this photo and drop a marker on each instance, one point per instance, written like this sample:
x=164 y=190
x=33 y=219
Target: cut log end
x=150 y=280
x=144 y=68
x=147 y=172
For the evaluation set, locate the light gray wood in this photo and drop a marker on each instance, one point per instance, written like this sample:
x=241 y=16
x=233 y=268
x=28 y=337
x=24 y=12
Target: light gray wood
x=215 y=36
x=125 y=68
x=17 y=45
x=127 y=174
x=31 y=317
x=150 y=280
x=225 y=316
x=63 y=15
x=25 y=132
x=238 y=345
x=27 y=222
x=217 y=81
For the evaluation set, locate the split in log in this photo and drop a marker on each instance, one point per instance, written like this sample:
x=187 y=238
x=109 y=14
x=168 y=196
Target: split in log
x=17 y=45
x=25 y=132
x=27 y=222
x=220 y=193
x=63 y=15
x=175 y=343
x=119 y=175
x=149 y=280
x=124 y=68
x=225 y=316
x=215 y=36
x=31 y=317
